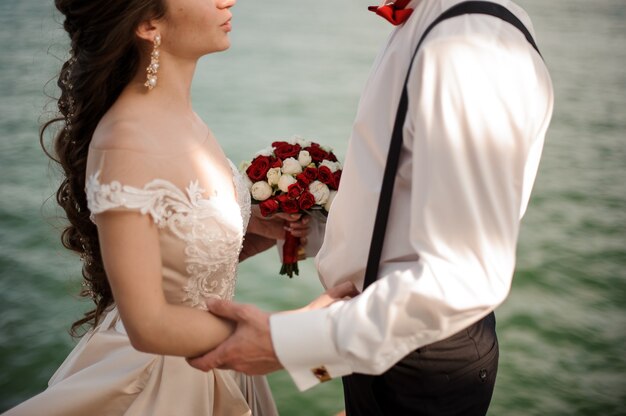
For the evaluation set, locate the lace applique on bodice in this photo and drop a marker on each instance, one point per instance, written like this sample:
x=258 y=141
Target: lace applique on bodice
x=212 y=228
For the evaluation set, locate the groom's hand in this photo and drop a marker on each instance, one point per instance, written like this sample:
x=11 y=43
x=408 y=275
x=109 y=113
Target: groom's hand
x=249 y=349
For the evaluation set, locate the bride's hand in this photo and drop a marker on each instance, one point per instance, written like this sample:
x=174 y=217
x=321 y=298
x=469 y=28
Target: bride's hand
x=263 y=232
x=274 y=227
x=344 y=291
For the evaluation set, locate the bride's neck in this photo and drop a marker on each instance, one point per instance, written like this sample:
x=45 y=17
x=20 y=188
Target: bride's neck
x=173 y=89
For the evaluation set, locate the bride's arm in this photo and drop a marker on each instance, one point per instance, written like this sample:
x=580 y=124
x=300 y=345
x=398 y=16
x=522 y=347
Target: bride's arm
x=129 y=243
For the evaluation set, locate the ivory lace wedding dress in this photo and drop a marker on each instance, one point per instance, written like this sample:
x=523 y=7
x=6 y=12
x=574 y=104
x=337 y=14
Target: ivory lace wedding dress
x=200 y=239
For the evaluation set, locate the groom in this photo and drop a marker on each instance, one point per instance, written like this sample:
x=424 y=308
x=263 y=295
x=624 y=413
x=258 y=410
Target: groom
x=479 y=104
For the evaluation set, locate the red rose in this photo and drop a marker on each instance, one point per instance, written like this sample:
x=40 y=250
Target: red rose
x=337 y=176
x=278 y=144
x=276 y=163
x=282 y=198
x=317 y=153
x=326 y=176
x=294 y=190
x=268 y=207
x=311 y=174
x=290 y=206
x=303 y=180
x=285 y=150
x=332 y=157
x=258 y=168
x=307 y=200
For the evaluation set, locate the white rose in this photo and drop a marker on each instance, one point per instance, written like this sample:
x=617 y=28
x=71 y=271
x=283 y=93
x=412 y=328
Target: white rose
x=261 y=190
x=320 y=191
x=285 y=181
x=243 y=166
x=291 y=166
x=273 y=175
x=328 y=203
x=304 y=158
x=333 y=166
x=302 y=142
x=265 y=152
x=327 y=149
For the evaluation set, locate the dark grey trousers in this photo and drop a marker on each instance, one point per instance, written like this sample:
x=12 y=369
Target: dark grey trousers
x=455 y=376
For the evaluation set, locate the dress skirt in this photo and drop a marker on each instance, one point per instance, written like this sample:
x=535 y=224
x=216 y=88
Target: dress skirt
x=105 y=376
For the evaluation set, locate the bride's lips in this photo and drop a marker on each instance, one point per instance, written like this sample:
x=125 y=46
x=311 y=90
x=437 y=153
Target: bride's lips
x=227 y=26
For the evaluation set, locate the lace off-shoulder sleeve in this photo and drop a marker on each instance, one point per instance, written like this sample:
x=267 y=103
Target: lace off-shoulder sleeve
x=120 y=180
x=157 y=198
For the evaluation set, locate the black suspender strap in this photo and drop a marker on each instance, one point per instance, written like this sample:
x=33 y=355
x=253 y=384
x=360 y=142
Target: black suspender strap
x=393 y=157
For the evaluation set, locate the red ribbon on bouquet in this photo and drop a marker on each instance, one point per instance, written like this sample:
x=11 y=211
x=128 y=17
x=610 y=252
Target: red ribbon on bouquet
x=292 y=252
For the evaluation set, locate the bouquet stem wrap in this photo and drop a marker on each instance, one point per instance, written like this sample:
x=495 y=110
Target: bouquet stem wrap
x=290 y=255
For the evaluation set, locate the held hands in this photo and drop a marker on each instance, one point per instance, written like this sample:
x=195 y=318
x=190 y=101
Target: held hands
x=249 y=349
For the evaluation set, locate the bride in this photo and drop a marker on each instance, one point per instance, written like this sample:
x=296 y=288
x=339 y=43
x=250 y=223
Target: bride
x=157 y=213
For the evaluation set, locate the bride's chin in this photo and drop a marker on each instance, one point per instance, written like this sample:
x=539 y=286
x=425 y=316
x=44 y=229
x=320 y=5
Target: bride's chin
x=221 y=46
x=227 y=43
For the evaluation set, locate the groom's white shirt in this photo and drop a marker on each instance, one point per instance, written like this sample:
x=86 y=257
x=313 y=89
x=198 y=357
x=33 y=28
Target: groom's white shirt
x=480 y=101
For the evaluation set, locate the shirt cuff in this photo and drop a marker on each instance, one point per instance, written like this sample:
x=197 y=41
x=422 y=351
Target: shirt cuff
x=304 y=345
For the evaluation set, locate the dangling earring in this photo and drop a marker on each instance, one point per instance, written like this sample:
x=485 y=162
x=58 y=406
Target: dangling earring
x=153 y=68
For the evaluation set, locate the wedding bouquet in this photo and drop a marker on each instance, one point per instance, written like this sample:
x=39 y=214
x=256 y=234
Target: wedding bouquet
x=293 y=176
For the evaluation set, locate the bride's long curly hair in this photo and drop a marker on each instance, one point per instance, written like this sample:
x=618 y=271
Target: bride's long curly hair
x=104 y=57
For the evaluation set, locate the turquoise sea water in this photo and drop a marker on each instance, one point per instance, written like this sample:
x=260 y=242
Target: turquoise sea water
x=298 y=67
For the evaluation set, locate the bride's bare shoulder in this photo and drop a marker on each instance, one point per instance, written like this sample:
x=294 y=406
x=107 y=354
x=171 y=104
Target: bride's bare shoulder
x=119 y=134
x=126 y=126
